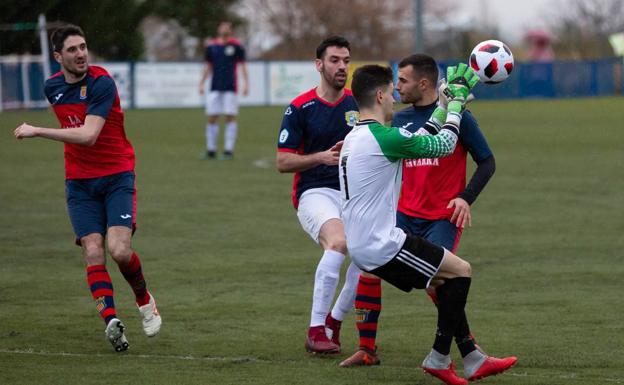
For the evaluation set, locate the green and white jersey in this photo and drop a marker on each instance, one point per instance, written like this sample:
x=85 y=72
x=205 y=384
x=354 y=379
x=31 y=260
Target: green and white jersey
x=370 y=183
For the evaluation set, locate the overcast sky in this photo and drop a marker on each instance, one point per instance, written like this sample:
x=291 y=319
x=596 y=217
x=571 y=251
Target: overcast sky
x=513 y=17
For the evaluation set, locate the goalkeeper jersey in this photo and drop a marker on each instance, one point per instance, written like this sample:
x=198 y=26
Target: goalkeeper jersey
x=370 y=182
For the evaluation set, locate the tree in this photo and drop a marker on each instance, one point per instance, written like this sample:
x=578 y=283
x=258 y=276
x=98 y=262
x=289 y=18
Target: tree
x=377 y=29
x=583 y=27
x=110 y=28
x=199 y=18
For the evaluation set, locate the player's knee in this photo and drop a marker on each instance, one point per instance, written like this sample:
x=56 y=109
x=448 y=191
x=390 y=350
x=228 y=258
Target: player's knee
x=120 y=252
x=464 y=269
x=338 y=244
x=94 y=254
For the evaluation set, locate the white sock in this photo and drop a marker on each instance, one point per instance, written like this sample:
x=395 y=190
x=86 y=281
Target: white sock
x=472 y=362
x=435 y=360
x=231 y=129
x=346 y=299
x=325 y=282
x=212 y=132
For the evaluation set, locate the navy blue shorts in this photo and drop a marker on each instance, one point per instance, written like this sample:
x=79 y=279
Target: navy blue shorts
x=440 y=232
x=95 y=204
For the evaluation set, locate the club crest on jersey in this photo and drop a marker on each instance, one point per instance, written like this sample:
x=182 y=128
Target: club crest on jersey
x=229 y=50
x=83 y=92
x=352 y=117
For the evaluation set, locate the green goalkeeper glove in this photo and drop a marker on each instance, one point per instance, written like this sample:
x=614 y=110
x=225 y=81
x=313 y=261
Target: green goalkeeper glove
x=460 y=80
x=445 y=96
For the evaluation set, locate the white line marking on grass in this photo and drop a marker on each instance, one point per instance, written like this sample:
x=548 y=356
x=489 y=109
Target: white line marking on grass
x=149 y=356
x=261 y=163
x=568 y=376
x=573 y=377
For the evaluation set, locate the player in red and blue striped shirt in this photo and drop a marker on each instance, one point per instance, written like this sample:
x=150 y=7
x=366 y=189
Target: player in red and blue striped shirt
x=99 y=176
x=310 y=137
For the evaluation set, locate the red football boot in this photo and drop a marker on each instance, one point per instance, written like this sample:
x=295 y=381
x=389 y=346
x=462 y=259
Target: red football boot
x=492 y=366
x=317 y=342
x=448 y=375
x=362 y=357
x=334 y=325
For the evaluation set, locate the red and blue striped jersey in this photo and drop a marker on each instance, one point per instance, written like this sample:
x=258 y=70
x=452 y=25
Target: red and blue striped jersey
x=429 y=184
x=224 y=57
x=96 y=94
x=310 y=125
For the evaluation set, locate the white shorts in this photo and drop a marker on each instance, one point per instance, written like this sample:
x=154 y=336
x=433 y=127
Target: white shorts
x=317 y=206
x=221 y=103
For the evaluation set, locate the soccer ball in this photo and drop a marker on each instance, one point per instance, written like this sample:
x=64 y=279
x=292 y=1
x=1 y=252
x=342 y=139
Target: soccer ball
x=492 y=60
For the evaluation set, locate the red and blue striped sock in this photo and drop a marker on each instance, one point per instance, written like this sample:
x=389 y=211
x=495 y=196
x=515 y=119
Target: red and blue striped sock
x=133 y=273
x=367 y=310
x=101 y=288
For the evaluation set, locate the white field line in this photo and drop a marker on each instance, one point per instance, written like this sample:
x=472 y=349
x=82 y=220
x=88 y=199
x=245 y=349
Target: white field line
x=514 y=373
x=148 y=356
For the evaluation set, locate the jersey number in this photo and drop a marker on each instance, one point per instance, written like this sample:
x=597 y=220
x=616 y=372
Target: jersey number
x=343 y=164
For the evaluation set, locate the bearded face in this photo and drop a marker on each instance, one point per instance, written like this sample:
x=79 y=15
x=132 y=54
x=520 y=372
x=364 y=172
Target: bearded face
x=334 y=66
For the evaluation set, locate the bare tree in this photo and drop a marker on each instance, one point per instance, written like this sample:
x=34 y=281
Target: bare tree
x=582 y=27
x=377 y=29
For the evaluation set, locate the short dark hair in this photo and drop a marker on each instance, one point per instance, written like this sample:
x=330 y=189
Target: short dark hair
x=60 y=34
x=423 y=66
x=332 y=41
x=367 y=80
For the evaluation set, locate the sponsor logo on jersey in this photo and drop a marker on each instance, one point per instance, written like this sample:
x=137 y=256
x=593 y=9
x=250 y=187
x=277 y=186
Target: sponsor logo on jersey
x=352 y=117
x=283 y=136
x=288 y=111
x=308 y=104
x=57 y=97
x=422 y=162
x=125 y=216
x=407 y=125
x=83 y=92
x=405 y=133
x=422 y=131
x=229 y=50
x=74 y=121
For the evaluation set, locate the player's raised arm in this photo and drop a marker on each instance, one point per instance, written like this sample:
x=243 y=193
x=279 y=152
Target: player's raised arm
x=400 y=143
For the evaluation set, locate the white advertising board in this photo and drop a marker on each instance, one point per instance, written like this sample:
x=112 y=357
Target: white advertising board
x=167 y=85
x=289 y=79
x=121 y=74
x=257 y=85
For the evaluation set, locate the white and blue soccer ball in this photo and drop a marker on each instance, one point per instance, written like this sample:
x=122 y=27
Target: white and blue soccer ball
x=492 y=60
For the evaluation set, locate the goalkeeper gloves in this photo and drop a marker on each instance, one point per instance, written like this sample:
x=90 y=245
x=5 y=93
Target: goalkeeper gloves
x=460 y=81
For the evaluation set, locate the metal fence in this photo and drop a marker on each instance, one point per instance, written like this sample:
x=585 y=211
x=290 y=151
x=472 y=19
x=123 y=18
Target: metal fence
x=150 y=85
x=558 y=79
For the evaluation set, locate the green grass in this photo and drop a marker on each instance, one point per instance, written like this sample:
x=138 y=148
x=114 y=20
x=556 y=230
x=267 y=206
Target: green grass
x=232 y=271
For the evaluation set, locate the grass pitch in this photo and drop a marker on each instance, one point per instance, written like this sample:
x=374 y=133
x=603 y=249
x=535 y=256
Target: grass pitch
x=232 y=271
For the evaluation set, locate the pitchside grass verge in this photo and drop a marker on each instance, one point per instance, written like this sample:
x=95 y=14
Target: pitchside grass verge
x=232 y=271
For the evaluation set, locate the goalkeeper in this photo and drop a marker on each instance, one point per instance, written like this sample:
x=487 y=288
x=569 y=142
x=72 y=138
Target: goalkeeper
x=370 y=176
